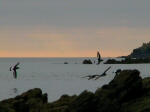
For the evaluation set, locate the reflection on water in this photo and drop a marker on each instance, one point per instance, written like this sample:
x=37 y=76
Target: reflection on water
x=15 y=90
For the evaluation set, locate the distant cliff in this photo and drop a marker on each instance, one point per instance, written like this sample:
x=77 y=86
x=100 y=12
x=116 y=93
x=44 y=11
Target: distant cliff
x=141 y=52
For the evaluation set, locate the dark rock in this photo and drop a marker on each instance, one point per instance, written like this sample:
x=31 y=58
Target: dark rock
x=66 y=63
x=146 y=83
x=81 y=103
x=44 y=98
x=25 y=102
x=60 y=105
x=6 y=109
x=87 y=62
x=128 y=61
x=34 y=103
x=64 y=99
x=35 y=93
x=19 y=106
x=125 y=87
x=137 y=105
x=111 y=61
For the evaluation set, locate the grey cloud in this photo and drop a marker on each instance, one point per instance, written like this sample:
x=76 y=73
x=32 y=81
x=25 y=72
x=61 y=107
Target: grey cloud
x=61 y=13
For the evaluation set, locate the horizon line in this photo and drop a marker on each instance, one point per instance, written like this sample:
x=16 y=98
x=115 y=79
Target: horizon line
x=59 y=57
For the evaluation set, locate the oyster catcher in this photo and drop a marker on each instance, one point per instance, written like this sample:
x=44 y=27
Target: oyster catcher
x=14 y=69
x=117 y=71
x=97 y=76
x=103 y=74
x=98 y=59
x=91 y=76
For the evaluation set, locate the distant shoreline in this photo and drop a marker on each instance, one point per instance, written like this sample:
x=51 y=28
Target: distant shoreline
x=57 y=57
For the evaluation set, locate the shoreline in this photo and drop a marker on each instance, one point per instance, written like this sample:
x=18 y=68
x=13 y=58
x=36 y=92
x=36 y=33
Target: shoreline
x=124 y=88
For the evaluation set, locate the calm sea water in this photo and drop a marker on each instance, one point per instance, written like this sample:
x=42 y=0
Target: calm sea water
x=56 y=78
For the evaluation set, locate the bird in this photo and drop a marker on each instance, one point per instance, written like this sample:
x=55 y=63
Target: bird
x=97 y=76
x=91 y=76
x=117 y=71
x=98 y=59
x=104 y=73
x=14 y=69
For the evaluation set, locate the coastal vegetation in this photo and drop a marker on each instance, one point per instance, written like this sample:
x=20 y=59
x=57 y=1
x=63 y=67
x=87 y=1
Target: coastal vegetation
x=138 y=55
x=140 y=52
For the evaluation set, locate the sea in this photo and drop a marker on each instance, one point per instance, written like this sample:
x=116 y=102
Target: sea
x=55 y=78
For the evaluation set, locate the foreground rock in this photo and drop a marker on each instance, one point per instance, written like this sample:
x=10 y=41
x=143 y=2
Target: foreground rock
x=31 y=100
x=127 y=92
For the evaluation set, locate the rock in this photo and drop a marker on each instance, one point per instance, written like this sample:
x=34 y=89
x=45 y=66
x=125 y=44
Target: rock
x=25 y=102
x=66 y=63
x=44 y=98
x=125 y=87
x=112 y=61
x=146 y=83
x=137 y=105
x=87 y=62
x=6 y=109
x=81 y=103
x=64 y=99
x=20 y=106
x=128 y=61
x=33 y=93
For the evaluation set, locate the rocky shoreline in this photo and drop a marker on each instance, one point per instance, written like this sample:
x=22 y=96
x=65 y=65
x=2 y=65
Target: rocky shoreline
x=127 y=92
x=128 y=61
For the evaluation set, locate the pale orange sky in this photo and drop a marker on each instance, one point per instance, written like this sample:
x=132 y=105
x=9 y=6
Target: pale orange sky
x=72 y=29
x=47 y=42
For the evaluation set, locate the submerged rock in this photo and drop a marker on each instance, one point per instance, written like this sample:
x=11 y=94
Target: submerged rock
x=127 y=92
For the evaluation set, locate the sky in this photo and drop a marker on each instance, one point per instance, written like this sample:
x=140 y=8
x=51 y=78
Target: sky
x=77 y=28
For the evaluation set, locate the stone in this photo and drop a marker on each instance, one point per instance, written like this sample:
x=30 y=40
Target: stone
x=87 y=62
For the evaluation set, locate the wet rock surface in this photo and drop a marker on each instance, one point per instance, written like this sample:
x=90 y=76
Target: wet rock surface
x=127 y=92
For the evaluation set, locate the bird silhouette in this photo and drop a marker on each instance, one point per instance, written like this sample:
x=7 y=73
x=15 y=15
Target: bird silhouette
x=104 y=73
x=14 y=69
x=97 y=76
x=98 y=59
x=117 y=71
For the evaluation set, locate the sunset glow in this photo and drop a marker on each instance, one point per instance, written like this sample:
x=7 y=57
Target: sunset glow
x=72 y=29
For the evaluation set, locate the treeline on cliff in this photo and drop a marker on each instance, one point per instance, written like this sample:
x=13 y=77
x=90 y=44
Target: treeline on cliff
x=141 y=52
